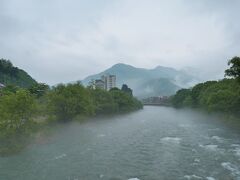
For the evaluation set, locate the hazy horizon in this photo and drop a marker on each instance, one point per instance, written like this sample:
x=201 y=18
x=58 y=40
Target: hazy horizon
x=63 y=41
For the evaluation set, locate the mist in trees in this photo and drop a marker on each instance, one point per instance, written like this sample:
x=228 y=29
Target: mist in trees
x=217 y=96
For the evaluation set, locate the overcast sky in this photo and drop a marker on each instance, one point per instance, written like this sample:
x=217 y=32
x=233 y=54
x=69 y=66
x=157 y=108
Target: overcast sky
x=66 y=40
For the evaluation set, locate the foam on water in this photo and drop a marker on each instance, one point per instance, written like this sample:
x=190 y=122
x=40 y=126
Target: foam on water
x=236 y=149
x=192 y=177
x=171 y=140
x=194 y=150
x=61 y=156
x=101 y=176
x=133 y=179
x=210 y=178
x=185 y=125
x=101 y=135
x=210 y=147
x=196 y=160
x=235 y=145
x=217 y=138
x=232 y=168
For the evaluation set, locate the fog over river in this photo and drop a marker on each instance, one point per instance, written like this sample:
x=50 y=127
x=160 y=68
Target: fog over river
x=156 y=143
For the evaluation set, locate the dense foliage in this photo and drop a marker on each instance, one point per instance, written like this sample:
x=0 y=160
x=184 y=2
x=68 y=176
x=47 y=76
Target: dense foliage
x=103 y=102
x=10 y=75
x=69 y=101
x=124 y=101
x=126 y=89
x=23 y=109
x=16 y=121
x=222 y=96
x=234 y=70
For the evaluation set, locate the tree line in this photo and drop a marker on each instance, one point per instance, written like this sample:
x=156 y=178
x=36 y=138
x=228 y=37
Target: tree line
x=214 y=96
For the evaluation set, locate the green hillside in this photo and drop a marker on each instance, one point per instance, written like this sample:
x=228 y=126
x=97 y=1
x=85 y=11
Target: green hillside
x=10 y=75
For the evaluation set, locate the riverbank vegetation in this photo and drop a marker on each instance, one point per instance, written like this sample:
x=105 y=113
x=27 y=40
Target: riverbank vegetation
x=214 y=96
x=23 y=110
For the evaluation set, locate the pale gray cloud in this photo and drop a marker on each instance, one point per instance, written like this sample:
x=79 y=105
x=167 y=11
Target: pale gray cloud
x=65 y=40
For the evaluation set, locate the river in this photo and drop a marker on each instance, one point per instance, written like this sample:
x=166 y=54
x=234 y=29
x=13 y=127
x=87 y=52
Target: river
x=151 y=144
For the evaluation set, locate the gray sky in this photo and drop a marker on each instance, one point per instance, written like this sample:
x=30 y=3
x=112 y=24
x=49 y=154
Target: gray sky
x=66 y=40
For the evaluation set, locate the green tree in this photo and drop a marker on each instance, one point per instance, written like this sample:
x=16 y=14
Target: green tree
x=16 y=121
x=39 y=89
x=69 y=101
x=197 y=90
x=103 y=102
x=127 y=90
x=222 y=96
x=234 y=70
x=182 y=96
x=17 y=111
x=124 y=101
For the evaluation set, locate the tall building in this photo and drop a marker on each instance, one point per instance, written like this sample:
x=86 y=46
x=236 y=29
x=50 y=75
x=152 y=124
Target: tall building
x=106 y=82
x=109 y=81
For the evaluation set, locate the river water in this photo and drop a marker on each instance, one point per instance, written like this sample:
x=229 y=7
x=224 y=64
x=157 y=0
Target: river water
x=152 y=144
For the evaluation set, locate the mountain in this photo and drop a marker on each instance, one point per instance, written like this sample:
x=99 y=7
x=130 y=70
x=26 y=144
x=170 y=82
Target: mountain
x=10 y=75
x=159 y=81
x=156 y=87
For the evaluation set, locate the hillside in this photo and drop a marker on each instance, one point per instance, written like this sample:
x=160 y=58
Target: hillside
x=13 y=75
x=147 y=82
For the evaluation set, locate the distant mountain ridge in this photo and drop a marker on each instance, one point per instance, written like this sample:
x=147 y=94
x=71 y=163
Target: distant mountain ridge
x=10 y=75
x=159 y=81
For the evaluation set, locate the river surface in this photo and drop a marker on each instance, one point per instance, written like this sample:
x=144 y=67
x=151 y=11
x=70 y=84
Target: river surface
x=151 y=144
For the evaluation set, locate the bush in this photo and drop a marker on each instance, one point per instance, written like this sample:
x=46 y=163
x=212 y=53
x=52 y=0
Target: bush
x=124 y=101
x=17 y=110
x=16 y=121
x=69 y=101
x=103 y=102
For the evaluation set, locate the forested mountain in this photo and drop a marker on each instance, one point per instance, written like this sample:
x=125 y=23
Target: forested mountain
x=10 y=75
x=147 y=82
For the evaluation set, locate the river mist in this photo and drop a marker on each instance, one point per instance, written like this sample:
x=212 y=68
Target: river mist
x=151 y=144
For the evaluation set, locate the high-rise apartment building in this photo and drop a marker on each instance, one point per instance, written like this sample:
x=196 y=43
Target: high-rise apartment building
x=109 y=81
